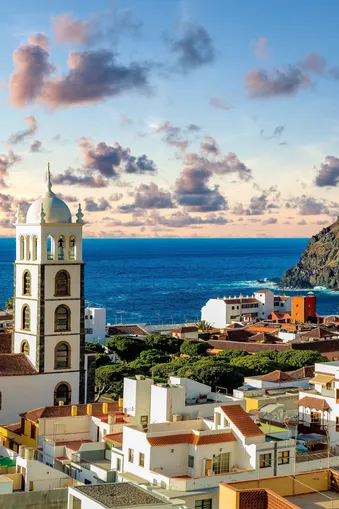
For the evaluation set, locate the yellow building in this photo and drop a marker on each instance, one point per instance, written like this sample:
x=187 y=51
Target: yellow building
x=25 y=433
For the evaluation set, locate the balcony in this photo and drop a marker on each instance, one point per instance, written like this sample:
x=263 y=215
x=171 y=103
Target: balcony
x=100 y=466
x=328 y=393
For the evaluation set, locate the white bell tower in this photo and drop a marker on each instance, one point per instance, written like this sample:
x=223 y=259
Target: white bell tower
x=49 y=294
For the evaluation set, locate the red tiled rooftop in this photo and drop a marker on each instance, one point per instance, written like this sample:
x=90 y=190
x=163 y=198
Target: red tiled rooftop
x=14 y=428
x=74 y=445
x=191 y=438
x=237 y=415
x=115 y=438
x=129 y=329
x=66 y=411
x=5 y=342
x=313 y=403
x=16 y=364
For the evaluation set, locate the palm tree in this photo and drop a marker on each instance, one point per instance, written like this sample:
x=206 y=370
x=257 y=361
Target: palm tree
x=204 y=325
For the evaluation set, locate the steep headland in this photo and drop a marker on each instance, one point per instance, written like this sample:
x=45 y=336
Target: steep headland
x=318 y=264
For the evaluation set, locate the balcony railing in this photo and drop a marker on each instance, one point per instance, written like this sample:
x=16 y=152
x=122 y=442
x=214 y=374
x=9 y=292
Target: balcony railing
x=329 y=393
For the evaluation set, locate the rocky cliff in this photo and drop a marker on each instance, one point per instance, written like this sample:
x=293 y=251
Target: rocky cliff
x=318 y=264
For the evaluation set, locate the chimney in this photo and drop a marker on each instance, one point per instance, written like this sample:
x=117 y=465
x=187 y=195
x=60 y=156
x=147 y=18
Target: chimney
x=105 y=408
x=121 y=403
x=61 y=403
x=89 y=409
x=74 y=411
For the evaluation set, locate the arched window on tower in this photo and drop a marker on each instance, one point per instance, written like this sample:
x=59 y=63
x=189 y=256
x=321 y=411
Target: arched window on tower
x=22 y=247
x=62 y=393
x=50 y=248
x=34 y=247
x=25 y=347
x=72 y=248
x=62 y=319
x=26 y=317
x=61 y=247
x=28 y=247
x=26 y=283
x=62 y=283
x=62 y=359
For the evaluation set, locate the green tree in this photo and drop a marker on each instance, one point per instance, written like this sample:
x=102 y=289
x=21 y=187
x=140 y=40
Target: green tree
x=101 y=359
x=295 y=359
x=125 y=347
x=251 y=365
x=214 y=373
x=147 y=360
x=204 y=325
x=194 y=348
x=94 y=347
x=165 y=344
x=163 y=371
x=9 y=304
x=228 y=355
x=107 y=376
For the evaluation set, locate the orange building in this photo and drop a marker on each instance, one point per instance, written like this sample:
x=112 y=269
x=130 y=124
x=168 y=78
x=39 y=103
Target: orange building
x=304 y=308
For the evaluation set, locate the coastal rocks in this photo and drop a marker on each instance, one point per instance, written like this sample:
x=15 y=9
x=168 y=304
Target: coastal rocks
x=318 y=264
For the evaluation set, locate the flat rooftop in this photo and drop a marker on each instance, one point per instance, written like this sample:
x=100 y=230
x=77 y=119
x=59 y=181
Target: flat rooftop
x=119 y=495
x=325 y=499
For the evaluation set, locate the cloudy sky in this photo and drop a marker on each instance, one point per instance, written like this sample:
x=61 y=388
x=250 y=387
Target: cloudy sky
x=173 y=117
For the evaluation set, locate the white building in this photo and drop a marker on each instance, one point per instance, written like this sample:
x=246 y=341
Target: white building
x=223 y=311
x=185 y=461
x=95 y=324
x=319 y=409
x=179 y=399
x=47 y=364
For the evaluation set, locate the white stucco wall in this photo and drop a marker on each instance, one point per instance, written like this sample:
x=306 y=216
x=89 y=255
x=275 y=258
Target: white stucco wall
x=214 y=312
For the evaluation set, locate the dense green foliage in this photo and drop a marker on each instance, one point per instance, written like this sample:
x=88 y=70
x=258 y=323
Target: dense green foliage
x=194 y=348
x=154 y=356
x=94 y=347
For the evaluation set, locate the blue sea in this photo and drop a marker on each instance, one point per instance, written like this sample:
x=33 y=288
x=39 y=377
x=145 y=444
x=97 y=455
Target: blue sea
x=169 y=280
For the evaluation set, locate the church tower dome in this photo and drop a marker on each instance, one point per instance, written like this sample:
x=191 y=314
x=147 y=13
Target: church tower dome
x=56 y=210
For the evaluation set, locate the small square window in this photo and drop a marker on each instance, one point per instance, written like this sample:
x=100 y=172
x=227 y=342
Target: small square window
x=141 y=459
x=283 y=457
x=265 y=460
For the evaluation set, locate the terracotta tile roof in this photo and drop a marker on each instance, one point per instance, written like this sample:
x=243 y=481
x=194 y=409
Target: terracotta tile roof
x=316 y=403
x=184 y=330
x=62 y=458
x=279 y=298
x=5 y=342
x=66 y=411
x=237 y=415
x=169 y=440
x=16 y=364
x=115 y=438
x=265 y=337
x=73 y=445
x=242 y=300
x=191 y=438
x=14 y=428
x=235 y=325
x=132 y=329
x=235 y=335
x=217 y=438
x=274 y=376
x=286 y=376
x=263 y=291
x=317 y=333
x=279 y=315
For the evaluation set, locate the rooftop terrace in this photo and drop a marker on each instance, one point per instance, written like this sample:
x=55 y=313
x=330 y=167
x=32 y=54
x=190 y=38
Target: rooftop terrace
x=119 y=495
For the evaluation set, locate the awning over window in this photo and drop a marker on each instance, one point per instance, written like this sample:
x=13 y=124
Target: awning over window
x=322 y=379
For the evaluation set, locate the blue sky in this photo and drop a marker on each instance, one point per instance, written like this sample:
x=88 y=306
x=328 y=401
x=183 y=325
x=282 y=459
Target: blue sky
x=258 y=79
